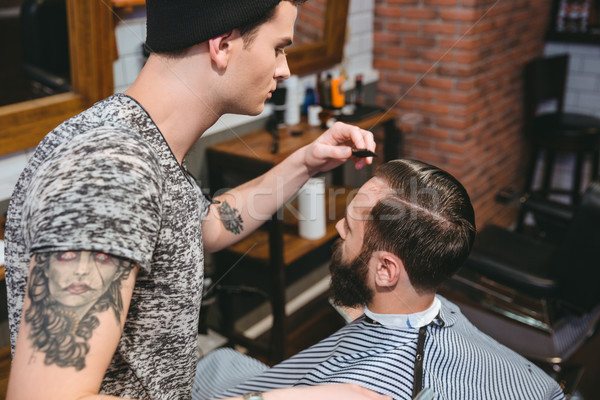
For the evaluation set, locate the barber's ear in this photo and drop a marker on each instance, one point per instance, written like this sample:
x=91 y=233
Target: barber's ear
x=388 y=270
x=220 y=49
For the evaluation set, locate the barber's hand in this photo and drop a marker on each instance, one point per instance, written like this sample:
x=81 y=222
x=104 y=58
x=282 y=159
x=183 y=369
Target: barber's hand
x=341 y=391
x=335 y=146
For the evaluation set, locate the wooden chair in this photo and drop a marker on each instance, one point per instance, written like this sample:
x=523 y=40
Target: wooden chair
x=557 y=131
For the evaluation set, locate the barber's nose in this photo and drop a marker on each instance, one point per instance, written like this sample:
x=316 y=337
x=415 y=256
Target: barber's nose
x=282 y=71
x=340 y=228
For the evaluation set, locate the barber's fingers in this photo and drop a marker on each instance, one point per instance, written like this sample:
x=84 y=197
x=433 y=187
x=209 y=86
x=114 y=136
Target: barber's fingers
x=324 y=151
x=351 y=135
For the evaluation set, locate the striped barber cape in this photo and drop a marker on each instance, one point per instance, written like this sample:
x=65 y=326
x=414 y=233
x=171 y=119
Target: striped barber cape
x=460 y=362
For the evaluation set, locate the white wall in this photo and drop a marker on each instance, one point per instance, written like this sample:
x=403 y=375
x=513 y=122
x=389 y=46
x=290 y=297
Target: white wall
x=583 y=82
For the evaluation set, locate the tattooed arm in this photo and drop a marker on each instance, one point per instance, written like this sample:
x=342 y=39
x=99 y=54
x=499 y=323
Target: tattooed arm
x=75 y=307
x=246 y=207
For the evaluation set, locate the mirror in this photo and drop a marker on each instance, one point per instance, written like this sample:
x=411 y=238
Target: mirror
x=92 y=51
x=37 y=52
x=320 y=46
x=310 y=23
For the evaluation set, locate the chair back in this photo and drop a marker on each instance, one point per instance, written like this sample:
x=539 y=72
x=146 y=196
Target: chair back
x=576 y=265
x=544 y=80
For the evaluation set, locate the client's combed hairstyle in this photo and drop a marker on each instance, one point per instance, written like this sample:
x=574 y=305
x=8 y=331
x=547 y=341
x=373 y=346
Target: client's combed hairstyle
x=426 y=219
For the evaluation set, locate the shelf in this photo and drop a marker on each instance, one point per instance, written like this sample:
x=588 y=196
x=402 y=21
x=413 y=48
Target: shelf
x=256 y=146
x=257 y=244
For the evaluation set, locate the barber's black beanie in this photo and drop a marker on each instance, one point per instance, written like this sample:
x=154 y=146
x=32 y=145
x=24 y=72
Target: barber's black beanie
x=178 y=24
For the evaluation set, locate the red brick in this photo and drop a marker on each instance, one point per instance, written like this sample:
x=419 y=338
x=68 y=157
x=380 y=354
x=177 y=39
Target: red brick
x=448 y=147
x=435 y=132
x=390 y=89
x=384 y=37
x=460 y=15
x=436 y=55
x=462 y=43
x=420 y=13
x=443 y=3
x=401 y=52
x=417 y=66
x=393 y=65
x=440 y=83
x=388 y=11
x=419 y=41
x=403 y=78
x=466 y=85
x=439 y=28
x=403 y=26
x=421 y=93
x=450 y=122
x=472 y=3
x=458 y=71
x=460 y=136
x=380 y=50
x=466 y=57
x=480 y=27
x=456 y=98
x=438 y=109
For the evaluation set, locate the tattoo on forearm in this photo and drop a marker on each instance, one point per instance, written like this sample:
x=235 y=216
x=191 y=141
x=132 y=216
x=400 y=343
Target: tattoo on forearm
x=67 y=291
x=231 y=218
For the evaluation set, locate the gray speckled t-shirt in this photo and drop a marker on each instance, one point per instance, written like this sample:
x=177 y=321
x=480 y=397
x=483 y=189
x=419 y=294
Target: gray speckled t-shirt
x=106 y=180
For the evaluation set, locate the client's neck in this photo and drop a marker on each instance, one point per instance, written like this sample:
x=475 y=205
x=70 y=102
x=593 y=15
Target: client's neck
x=404 y=300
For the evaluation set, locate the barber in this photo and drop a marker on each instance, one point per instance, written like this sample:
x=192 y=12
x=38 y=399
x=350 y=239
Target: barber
x=106 y=230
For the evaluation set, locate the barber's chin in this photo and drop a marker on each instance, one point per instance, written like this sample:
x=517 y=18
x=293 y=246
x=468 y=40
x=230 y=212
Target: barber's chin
x=259 y=109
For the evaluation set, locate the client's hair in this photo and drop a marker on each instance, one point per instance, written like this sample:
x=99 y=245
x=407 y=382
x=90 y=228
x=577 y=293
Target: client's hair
x=427 y=220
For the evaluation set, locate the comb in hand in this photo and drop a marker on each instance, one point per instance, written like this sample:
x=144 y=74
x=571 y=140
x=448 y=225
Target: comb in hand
x=363 y=153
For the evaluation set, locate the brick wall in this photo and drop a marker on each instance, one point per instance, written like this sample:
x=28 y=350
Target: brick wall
x=452 y=69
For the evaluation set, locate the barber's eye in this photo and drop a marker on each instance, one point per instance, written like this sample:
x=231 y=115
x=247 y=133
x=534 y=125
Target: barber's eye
x=67 y=256
x=280 y=51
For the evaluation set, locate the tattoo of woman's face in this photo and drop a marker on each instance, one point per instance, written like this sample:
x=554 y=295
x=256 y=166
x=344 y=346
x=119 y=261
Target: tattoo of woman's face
x=231 y=218
x=67 y=291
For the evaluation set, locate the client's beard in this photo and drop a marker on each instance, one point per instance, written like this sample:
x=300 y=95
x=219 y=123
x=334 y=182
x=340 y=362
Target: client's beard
x=349 y=279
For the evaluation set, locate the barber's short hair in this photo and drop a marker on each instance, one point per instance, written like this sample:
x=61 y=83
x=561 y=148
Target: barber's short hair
x=427 y=220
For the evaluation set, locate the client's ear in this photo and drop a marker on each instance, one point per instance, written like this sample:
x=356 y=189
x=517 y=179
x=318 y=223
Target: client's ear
x=220 y=49
x=388 y=270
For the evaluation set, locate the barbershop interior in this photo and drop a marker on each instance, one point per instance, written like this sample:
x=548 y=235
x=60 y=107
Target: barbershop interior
x=503 y=95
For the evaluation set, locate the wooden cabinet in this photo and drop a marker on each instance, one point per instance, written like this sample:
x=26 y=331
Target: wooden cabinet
x=238 y=160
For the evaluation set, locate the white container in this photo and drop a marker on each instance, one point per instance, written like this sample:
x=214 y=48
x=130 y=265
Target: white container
x=311 y=208
x=292 y=105
x=313 y=115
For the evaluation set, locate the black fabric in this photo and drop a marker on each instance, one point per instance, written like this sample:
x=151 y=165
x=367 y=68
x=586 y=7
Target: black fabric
x=418 y=384
x=577 y=264
x=177 y=24
x=568 y=272
x=513 y=259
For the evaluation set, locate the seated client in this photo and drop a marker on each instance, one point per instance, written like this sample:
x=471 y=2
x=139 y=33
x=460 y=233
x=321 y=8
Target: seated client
x=407 y=231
